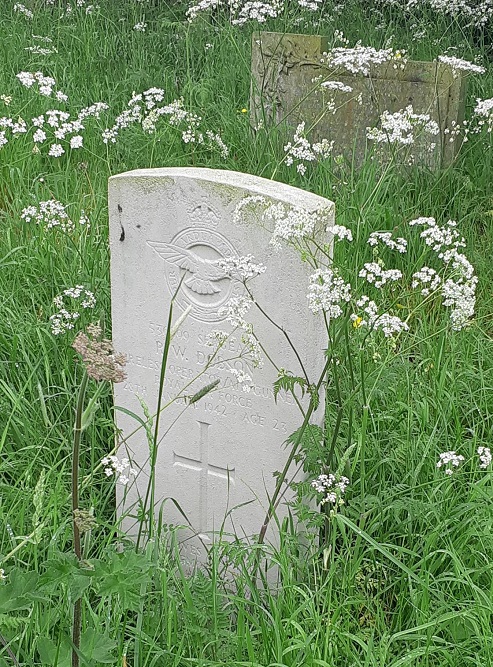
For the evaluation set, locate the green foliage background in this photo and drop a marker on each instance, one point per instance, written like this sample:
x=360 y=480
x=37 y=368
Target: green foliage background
x=410 y=577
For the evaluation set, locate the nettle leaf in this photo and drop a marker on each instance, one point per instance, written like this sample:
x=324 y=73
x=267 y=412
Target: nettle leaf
x=60 y=567
x=288 y=382
x=122 y=574
x=20 y=591
x=97 y=648
x=78 y=584
x=53 y=655
x=65 y=570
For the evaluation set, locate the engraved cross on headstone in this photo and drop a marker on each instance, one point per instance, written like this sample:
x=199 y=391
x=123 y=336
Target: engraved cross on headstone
x=205 y=470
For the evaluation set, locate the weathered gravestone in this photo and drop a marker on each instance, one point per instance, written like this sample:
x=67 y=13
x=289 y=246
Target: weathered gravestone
x=218 y=455
x=287 y=73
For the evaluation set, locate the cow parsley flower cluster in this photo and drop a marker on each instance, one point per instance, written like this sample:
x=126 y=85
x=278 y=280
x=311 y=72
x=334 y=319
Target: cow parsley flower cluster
x=52 y=127
x=41 y=50
x=485 y=457
x=340 y=233
x=16 y=128
x=459 y=288
x=331 y=487
x=449 y=461
x=116 y=468
x=460 y=296
x=483 y=112
x=58 y=126
x=63 y=320
x=376 y=275
x=303 y=151
x=240 y=11
x=234 y=312
x=44 y=83
x=473 y=12
x=241 y=267
x=477 y=13
x=22 y=9
x=293 y=224
x=145 y=110
x=202 y=6
x=461 y=65
x=440 y=238
x=385 y=238
x=311 y=5
x=390 y=325
x=428 y=279
x=337 y=86
x=256 y=10
x=243 y=379
x=403 y=127
x=56 y=150
x=52 y=214
x=359 y=59
x=217 y=338
x=326 y=292
x=248 y=205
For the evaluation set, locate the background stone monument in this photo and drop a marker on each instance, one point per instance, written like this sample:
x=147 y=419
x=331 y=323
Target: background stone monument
x=286 y=76
x=218 y=455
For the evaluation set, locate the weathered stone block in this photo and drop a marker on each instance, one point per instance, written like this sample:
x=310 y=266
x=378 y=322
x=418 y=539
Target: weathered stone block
x=286 y=76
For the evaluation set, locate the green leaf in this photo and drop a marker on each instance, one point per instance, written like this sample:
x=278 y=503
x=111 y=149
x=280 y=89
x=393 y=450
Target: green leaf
x=65 y=570
x=122 y=574
x=96 y=648
x=52 y=655
x=310 y=443
x=60 y=567
x=288 y=382
x=20 y=591
x=313 y=390
x=88 y=414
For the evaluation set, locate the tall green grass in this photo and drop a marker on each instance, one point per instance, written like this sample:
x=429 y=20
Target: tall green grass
x=407 y=580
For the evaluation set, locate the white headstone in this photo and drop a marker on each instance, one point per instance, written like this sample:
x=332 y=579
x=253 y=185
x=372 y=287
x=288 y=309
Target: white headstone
x=219 y=454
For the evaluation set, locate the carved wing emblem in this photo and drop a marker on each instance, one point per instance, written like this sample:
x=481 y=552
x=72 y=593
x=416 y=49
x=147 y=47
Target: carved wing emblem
x=203 y=272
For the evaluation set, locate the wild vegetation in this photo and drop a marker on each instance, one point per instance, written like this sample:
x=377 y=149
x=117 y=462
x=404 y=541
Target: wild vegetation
x=400 y=574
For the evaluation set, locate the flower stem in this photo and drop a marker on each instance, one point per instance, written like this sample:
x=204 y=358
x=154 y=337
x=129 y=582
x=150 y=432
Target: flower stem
x=76 y=627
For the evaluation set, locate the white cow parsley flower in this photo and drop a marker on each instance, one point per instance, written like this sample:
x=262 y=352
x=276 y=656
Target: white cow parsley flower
x=385 y=238
x=484 y=457
x=241 y=268
x=326 y=292
x=243 y=379
x=428 y=279
x=449 y=460
x=462 y=65
x=331 y=487
x=116 y=468
x=374 y=274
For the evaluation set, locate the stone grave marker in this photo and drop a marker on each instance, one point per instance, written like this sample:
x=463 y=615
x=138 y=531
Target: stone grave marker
x=217 y=456
x=286 y=75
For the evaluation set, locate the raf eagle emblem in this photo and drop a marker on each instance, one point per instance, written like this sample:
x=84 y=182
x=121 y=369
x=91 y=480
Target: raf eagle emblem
x=203 y=272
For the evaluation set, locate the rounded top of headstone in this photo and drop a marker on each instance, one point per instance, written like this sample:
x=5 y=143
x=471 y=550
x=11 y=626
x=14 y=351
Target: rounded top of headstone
x=252 y=184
